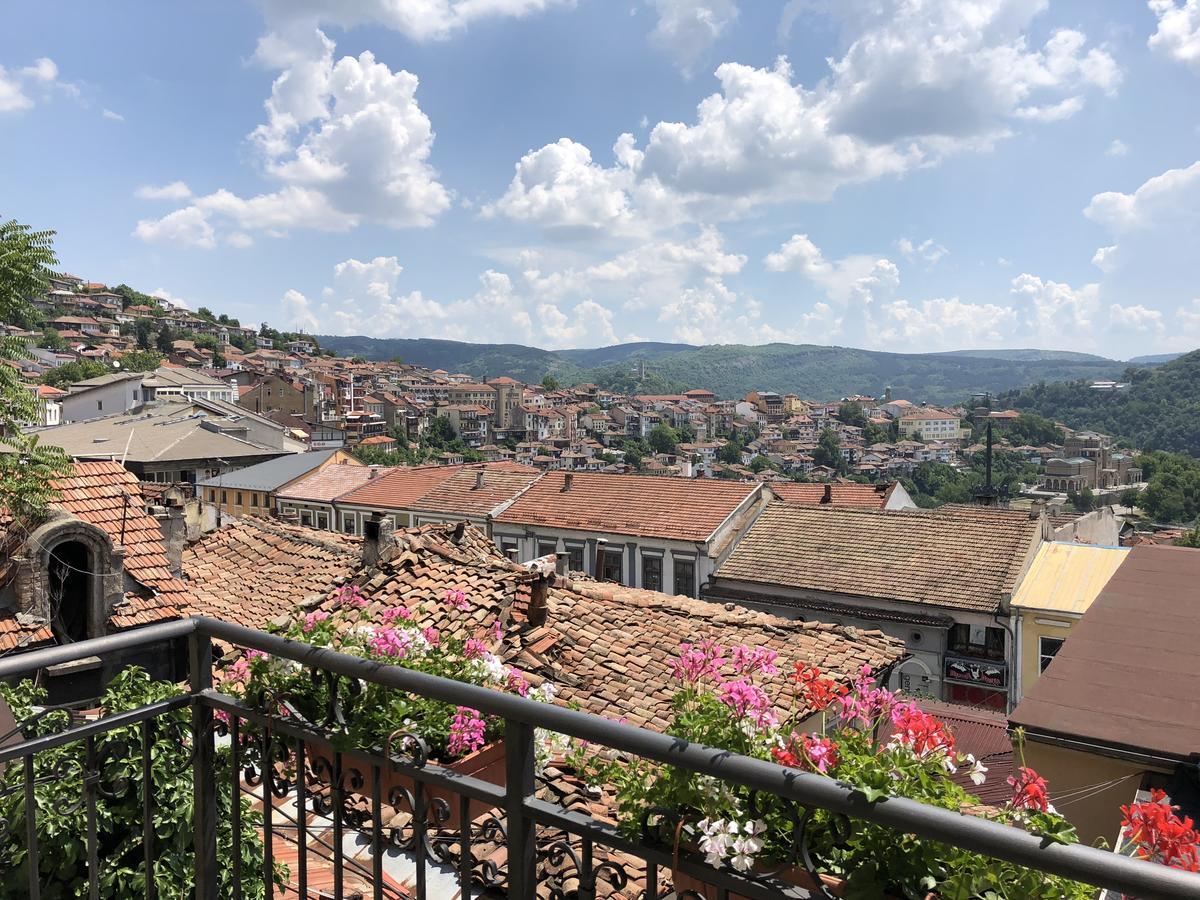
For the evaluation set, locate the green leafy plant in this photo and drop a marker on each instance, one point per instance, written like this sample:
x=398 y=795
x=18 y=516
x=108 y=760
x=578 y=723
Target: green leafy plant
x=62 y=817
x=377 y=712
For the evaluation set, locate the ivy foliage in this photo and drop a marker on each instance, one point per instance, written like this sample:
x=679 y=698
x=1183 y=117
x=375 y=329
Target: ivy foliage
x=62 y=816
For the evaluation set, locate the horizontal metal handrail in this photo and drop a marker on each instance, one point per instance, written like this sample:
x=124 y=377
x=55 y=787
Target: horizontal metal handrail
x=1078 y=862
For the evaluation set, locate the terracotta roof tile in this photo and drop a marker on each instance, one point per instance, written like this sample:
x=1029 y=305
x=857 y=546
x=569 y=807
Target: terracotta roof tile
x=108 y=496
x=675 y=508
x=251 y=571
x=865 y=496
x=959 y=557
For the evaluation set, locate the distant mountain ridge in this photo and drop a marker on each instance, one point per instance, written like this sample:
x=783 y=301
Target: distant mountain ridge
x=731 y=370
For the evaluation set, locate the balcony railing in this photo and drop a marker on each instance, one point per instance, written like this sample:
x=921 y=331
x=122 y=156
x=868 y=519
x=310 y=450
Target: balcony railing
x=310 y=769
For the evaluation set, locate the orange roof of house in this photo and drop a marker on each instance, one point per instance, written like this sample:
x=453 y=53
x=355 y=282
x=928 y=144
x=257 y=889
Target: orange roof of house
x=377 y=439
x=865 y=496
x=675 y=508
x=462 y=495
x=399 y=487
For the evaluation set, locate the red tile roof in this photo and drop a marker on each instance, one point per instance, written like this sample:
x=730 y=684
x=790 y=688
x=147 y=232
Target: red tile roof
x=108 y=496
x=865 y=496
x=674 y=508
x=399 y=487
x=607 y=648
x=251 y=571
x=461 y=494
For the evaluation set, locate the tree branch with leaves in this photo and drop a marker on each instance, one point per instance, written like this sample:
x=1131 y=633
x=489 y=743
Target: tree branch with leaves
x=26 y=465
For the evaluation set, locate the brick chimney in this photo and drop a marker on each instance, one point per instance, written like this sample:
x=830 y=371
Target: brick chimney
x=568 y=479
x=539 y=594
x=601 y=547
x=562 y=562
x=828 y=496
x=479 y=479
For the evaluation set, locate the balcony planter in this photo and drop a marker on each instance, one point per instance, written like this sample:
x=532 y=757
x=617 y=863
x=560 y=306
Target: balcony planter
x=792 y=875
x=486 y=764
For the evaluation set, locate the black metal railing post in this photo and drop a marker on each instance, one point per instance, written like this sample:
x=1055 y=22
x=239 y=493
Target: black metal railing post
x=204 y=781
x=519 y=789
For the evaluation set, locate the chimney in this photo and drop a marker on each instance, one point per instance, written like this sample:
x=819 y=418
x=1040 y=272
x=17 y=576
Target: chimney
x=562 y=562
x=828 y=496
x=174 y=533
x=374 y=470
x=568 y=478
x=601 y=546
x=539 y=593
x=479 y=480
x=460 y=528
x=513 y=553
x=377 y=531
x=1036 y=508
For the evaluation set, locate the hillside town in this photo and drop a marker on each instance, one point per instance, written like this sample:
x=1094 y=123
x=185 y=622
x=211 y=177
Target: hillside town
x=215 y=470
x=376 y=408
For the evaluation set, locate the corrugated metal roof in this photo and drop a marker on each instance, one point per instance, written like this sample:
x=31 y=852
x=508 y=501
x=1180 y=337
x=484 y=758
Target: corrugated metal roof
x=269 y=475
x=1068 y=577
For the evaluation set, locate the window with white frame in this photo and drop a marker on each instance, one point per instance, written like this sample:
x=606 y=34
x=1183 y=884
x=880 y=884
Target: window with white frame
x=1048 y=648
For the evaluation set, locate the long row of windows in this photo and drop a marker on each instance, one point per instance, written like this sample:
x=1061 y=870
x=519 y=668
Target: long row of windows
x=683 y=569
x=239 y=498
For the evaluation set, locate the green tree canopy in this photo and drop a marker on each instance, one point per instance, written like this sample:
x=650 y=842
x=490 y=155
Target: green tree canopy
x=829 y=451
x=663 y=439
x=550 y=383
x=26 y=466
x=52 y=340
x=165 y=340
x=77 y=370
x=144 y=329
x=140 y=361
x=851 y=412
x=730 y=453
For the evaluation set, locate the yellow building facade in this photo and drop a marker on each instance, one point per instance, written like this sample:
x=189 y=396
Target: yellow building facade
x=1061 y=584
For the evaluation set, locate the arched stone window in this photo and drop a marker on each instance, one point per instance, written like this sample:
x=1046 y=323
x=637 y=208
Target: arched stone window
x=71 y=577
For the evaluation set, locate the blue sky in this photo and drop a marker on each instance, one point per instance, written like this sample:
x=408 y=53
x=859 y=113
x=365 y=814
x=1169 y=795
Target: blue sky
x=896 y=174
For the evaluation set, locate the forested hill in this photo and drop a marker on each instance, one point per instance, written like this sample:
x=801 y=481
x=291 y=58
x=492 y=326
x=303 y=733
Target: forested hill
x=1159 y=411
x=731 y=370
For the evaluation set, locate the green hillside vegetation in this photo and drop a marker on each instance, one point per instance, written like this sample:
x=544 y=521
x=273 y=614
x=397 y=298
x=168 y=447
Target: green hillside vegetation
x=1028 y=355
x=731 y=370
x=1159 y=411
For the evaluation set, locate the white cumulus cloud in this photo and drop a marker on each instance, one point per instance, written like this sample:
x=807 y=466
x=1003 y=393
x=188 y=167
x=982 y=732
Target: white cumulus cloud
x=420 y=20
x=17 y=85
x=346 y=140
x=1171 y=196
x=1178 y=34
x=917 y=81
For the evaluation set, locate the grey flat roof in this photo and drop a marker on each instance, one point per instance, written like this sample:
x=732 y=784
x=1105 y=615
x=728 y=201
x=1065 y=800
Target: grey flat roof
x=272 y=474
